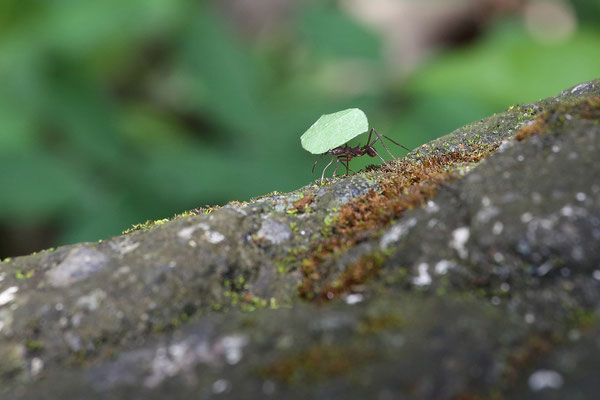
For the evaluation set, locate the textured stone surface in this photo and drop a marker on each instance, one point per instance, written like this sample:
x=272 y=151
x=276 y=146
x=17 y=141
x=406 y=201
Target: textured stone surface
x=489 y=290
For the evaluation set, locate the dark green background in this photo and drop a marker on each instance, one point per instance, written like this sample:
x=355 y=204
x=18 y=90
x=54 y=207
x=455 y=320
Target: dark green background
x=115 y=112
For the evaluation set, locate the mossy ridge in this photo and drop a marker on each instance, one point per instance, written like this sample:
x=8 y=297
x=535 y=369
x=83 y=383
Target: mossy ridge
x=554 y=117
x=317 y=362
x=408 y=184
x=404 y=185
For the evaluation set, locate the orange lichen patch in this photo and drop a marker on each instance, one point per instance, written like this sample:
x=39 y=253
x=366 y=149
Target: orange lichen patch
x=535 y=127
x=315 y=363
x=535 y=346
x=380 y=323
x=301 y=205
x=403 y=186
x=592 y=109
x=365 y=268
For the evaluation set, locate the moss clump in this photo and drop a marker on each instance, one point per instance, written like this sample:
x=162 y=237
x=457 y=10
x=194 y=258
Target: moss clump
x=555 y=117
x=149 y=224
x=34 y=347
x=526 y=354
x=318 y=362
x=403 y=185
x=20 y=275
x=302 y=205
x=366 y=268
x=536 y=127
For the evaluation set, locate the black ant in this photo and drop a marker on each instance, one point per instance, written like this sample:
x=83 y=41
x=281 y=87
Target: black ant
x=346 y=153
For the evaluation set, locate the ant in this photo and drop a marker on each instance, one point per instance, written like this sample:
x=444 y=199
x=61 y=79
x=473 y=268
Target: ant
x=346 y=153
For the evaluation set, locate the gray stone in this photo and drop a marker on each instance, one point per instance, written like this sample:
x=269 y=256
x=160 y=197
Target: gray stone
x=491 y=289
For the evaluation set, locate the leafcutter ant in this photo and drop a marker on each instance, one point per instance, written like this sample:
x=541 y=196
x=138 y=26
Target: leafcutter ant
x=343 y=154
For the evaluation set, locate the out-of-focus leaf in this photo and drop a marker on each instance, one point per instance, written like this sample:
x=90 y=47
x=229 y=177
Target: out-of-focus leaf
x=223 y=72
x=35 y=185
x=587 y=10
x=334 y=34
x=509 y=67
x=16 y=129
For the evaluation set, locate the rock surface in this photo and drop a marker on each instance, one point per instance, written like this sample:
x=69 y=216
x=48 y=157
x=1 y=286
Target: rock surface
x=468 y=270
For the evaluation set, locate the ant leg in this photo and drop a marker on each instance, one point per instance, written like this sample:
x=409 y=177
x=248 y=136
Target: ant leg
x=312 y=171
x=383 y=144
x=381 y=158
x=327 y=166
x=396 y=143
x=369 y=139
x=336 y=165
x=347 y=165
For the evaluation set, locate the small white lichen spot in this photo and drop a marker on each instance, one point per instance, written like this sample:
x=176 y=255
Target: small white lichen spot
x=214 y=237
x=497 y=228
x=526 y=217
x=187 y=232
x=396 y=232
x=545 y=379
x=36 y=366
x=81 y=263
x=210 y=236
x=506 y=144
x=220 y=386
x=485 y=201
x=353 y=298
x=580 y=196
x=274 y=231
x=498 y=257
x=442 y=267
x=124 y=245
x=8 y=295
x=423 y=279
x=530 y=318
x=460 y=236
x=567 y=211
x=432 y=207
x=596 y=274
x=232 y=347
x=91 y=301
x=579 y=87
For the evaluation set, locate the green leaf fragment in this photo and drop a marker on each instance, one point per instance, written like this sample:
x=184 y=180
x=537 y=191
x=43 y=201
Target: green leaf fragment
x=333 y=130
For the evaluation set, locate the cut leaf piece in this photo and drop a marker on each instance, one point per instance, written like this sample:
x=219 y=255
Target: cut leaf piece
x=333 y=130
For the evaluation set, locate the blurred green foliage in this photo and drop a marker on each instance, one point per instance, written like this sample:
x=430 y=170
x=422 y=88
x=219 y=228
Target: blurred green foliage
x=113 y=112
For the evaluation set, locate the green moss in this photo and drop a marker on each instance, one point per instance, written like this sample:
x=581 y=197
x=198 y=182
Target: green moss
x=20 y=275
x=149 y=224
x=34 y=345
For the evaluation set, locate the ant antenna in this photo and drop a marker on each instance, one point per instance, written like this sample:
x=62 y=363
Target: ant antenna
x=379 y=137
